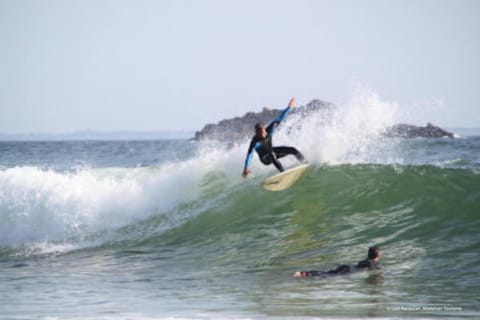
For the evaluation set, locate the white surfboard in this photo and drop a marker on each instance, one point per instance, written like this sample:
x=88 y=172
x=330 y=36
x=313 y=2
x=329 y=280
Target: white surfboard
x=285 y=179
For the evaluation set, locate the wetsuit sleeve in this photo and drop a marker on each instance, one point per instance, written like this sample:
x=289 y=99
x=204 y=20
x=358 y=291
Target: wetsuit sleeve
x=367 y=264
x=251 y=151
x=363 y=264
x=271 y=127
x=312 y=273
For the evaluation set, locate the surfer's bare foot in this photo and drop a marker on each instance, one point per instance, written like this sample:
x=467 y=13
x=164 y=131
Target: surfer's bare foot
x=297 y=274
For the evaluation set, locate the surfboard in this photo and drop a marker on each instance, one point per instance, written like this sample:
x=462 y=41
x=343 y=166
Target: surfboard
x=285 y=179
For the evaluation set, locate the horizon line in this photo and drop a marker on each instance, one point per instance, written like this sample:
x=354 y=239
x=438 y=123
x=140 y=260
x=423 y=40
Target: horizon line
x=99 y=135
x=90 y=134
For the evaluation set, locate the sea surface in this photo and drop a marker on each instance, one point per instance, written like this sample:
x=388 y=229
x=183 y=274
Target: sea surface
x=169 y=229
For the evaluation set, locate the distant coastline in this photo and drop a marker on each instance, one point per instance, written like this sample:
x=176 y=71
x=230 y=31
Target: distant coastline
x=97 y=135
x=92 y=135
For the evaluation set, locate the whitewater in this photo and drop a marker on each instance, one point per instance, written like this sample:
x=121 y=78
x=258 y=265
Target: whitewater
x=169 y=229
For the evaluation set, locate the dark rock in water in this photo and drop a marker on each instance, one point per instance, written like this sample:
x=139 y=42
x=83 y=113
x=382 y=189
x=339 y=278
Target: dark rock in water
x=242 y=127
x=411 y=131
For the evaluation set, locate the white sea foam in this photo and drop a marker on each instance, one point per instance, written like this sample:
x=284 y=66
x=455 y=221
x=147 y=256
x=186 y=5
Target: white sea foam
x=350 y=134
x=41 y=206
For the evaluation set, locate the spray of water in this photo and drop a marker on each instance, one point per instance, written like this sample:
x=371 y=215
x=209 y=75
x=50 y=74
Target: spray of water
x=349 y=134
x=45 y=206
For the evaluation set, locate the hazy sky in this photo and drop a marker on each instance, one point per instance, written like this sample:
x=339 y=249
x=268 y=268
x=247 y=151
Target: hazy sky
x=166 y=65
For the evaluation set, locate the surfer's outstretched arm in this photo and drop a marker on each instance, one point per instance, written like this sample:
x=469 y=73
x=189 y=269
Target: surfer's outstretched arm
x=271 y=127
x=246 y=171
x=248 y=159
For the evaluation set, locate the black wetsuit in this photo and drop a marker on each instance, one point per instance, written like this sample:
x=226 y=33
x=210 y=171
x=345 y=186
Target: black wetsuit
x=343 y=269
x=266 y=152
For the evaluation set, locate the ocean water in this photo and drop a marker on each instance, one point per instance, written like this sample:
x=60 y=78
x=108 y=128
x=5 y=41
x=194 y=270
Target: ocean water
x=168 y=229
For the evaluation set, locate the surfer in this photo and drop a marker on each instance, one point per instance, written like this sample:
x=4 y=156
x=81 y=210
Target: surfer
x=262 y=144
x=370 y=263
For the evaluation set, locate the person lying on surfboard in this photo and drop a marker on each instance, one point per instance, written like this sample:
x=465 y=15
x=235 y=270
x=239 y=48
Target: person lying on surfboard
x=370 y=263
x=262 y=144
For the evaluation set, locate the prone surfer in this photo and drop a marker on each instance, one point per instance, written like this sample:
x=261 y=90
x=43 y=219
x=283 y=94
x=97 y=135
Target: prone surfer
x=262 y=144
x=370 y=263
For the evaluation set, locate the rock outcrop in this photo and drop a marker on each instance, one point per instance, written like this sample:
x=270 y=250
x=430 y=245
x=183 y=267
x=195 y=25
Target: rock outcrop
x=239 y=128
x=410 y=131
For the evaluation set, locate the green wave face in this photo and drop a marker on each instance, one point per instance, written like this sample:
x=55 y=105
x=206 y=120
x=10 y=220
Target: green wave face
x=424 y=218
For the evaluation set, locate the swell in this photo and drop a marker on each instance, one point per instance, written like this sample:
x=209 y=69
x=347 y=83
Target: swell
x=424 y=218
x=333 y=208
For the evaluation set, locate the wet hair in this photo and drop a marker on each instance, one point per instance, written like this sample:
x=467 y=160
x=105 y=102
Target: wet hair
x=373 y=252
x=258 y=127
